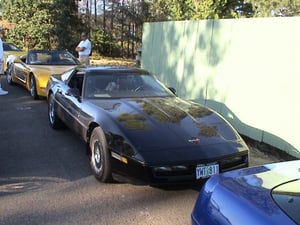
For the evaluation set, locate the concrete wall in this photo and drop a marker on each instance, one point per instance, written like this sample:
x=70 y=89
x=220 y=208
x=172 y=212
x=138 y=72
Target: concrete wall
x=246 y=69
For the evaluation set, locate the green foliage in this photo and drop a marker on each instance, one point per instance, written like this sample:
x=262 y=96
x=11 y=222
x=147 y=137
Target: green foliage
x=67 y=25
x=276 y=8
x=198 y=9
x=51 y=24
x=104 y=44
x=181 y=9
x=163 y=10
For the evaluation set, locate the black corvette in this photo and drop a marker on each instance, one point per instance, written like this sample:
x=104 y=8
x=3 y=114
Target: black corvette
x=136 y=127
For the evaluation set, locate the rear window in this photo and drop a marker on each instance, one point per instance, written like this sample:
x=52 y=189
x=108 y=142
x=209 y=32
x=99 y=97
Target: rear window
x=287 y=197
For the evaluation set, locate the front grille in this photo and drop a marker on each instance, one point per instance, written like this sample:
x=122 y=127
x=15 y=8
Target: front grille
x=189 y=171
x=226 y=164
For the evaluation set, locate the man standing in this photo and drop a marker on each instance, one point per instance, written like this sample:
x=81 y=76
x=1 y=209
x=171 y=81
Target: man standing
x=84 y=49
x=2 y=92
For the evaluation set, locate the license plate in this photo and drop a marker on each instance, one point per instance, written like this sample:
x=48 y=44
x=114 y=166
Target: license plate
x=204 y=171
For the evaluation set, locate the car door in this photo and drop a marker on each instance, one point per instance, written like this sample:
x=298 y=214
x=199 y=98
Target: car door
x=69 y=97
x=21 y=71
x=83 y=113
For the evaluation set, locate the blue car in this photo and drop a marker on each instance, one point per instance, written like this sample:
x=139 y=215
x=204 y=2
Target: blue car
x=268 y=194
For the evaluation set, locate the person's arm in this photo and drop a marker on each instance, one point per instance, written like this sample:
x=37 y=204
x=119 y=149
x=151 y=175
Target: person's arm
x=80 y=47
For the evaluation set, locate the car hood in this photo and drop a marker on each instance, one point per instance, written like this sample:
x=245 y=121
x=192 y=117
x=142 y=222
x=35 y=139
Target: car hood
x=248 y=189
x=264 y=177
x=50 y=69
x=15 y=53
x=170 y=125
x=10 y=56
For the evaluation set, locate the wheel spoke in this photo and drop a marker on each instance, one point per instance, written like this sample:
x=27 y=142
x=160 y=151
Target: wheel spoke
x=32 y=86
x=51 y=112
x=97 y=156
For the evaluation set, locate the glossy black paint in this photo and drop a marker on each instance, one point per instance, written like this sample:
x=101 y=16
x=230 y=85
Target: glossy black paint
x=149 y=128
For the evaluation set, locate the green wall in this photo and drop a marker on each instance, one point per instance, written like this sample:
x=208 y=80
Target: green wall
x=246 y=69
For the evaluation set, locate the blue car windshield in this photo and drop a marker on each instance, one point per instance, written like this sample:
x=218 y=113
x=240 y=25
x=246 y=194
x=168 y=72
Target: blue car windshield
x=287 y=196
x=123 y=85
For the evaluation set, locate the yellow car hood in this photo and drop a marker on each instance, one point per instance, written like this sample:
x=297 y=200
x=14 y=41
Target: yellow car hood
x=50 y=69
x=15 y=53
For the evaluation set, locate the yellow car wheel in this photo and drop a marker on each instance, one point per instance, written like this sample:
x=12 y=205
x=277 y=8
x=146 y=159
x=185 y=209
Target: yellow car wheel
x=8 y=74
x=33 y=91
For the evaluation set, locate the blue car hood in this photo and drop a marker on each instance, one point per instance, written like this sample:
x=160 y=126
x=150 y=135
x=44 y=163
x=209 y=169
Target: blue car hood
x=247 y=193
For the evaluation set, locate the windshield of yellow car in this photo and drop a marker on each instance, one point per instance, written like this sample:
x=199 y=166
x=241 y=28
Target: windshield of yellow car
x=51 y=58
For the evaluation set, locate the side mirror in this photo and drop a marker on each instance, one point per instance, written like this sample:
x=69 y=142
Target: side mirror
x=23 y=58
x=173 y=90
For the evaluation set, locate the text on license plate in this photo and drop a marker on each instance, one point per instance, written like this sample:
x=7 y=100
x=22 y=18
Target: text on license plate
x=204 y=171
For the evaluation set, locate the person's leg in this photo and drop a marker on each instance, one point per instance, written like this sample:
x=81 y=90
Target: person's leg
x=87 y=60
x=84 y=59
x=1 y=67
x=2 y=92
x=81 y=59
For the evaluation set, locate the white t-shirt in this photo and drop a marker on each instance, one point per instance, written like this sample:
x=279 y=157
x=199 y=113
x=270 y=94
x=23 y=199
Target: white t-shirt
x=88 y=47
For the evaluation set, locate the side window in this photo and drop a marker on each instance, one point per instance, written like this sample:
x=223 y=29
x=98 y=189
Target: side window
x=76 y=81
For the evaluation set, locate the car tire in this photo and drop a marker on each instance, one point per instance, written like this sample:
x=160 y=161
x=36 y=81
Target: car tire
x=100 y=158
x=33 y=91
x=8 y=74
x=54 y=121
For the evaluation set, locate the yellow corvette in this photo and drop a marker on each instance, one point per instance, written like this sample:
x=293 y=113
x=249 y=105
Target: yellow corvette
x=33 y=69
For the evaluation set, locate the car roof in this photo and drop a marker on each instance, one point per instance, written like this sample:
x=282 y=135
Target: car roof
x=44 y=50
x=118 y=69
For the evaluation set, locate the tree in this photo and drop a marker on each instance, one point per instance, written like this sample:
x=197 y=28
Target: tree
x=67 y=25
x=44 y=24
x=163 y=10
x=264 y=8
x=32 y=23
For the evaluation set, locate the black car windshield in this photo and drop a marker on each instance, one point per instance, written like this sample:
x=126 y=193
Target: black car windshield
x=287 y=196
x=124 y=85
x=10 y=47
